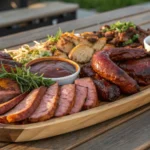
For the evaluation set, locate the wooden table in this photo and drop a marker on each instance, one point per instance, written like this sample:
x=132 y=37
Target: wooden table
x=36 y=15
x=127 y=132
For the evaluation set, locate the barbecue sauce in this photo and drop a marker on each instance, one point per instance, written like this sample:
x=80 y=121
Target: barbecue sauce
x=53 y=68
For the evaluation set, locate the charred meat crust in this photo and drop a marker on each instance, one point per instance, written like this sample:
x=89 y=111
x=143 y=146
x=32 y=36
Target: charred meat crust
x=106 y=90
x=139 y=69
x=103 y=65
x=25 y=108
x=11 y=103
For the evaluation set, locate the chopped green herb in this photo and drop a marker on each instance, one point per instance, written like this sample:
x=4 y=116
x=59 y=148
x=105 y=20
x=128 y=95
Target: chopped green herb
x=120 y=26
x=26 y=80
x=130 y=41
x=135 y=37
x=55 y=38
x=53 y=48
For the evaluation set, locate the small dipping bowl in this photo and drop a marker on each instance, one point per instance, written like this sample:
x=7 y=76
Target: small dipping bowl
x=61 y=80
x=147 y=43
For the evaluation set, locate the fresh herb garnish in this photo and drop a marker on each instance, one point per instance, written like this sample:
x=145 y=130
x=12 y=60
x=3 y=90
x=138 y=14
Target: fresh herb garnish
x=55 y=38
x=26 y=80
x=130 y=41
x=120 y=26
x=53 y=48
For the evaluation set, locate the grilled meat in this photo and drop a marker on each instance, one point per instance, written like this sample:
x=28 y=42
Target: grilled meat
x=66 y=100
x=121 y=54
x=132 y=34
x=8 y=89
x=92 y=98
x=47 y=106
x=106 y=91
x=87 y=71
x=139 y=69
x=4 y=107
x=81 y=95
x=102 y=63
x=25 y=108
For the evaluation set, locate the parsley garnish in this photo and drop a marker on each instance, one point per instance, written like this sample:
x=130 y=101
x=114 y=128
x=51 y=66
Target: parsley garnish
x=120 y=26
x=130 y=41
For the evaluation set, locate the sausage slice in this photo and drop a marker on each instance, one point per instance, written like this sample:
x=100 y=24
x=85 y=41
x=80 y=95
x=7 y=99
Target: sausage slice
x=47 y=106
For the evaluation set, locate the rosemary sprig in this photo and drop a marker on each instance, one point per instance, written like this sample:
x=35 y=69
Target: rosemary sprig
x=26 y=80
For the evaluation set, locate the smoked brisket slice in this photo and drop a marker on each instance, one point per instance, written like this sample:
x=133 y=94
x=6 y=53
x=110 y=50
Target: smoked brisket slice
x=81 y=95
x=66 y=100
x=47 y=106
x=25 y=108
x=4 y=107
x=92 y=97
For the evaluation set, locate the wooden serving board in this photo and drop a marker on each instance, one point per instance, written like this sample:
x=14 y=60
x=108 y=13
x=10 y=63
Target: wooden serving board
x=57 y=126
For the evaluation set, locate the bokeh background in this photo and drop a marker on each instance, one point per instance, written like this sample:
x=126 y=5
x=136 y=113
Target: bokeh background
x=103 y=5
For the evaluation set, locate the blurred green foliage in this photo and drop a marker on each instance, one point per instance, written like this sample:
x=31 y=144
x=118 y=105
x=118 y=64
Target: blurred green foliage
x=104 y=5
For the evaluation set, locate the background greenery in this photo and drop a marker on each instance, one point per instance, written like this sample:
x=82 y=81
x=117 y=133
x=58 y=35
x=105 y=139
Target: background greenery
x=104 y=5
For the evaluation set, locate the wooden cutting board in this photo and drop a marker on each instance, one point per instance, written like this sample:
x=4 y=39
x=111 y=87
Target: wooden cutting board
x=57 y=126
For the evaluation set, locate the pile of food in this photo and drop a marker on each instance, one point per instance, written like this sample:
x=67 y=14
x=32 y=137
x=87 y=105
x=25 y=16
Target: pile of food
x=113 y=63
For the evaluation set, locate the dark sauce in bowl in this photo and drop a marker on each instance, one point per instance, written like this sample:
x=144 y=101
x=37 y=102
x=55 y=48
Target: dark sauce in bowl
x=53 y=68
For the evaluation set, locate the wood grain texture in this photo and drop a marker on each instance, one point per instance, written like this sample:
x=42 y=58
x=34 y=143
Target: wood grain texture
x=127 y=136
x=35 y=11
x=144 y=146
x=57 y=126
x=74 y=139
x=40 y=33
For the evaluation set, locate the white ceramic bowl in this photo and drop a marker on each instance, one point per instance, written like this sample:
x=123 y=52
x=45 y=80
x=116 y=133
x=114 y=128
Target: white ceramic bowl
x=147 y=43
x=62 y=80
